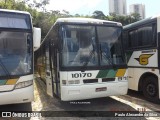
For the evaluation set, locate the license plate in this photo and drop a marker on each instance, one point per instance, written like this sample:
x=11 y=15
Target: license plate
x=101 y=89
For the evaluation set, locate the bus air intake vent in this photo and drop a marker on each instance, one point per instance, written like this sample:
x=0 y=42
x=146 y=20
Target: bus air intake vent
x=108 y=79
x=90 y=81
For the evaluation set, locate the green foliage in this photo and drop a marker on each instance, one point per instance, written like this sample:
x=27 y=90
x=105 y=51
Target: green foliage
x=98 y=14
x=44 y=19
x=117 y=18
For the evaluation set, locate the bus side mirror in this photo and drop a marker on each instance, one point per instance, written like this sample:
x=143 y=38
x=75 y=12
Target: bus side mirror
x=36 y=37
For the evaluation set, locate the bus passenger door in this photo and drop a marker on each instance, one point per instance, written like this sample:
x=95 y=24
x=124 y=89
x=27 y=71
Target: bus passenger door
x=48 y=74
x=54 y=69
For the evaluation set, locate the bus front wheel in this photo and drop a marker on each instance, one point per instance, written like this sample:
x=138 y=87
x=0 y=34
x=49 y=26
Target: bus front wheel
x=150 y=89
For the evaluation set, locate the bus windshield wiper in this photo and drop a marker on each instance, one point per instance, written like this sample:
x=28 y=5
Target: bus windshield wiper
x=104 y=55
x=5 y=69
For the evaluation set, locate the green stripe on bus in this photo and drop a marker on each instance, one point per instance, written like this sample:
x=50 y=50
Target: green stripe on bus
x=102 y=74
x=107 y=73
x=3 y=82
x=111 y=73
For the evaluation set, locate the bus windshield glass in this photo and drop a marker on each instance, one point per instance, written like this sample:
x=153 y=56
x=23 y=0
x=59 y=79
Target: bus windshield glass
x=15 y=53
x=13 y=20
x=91 y=46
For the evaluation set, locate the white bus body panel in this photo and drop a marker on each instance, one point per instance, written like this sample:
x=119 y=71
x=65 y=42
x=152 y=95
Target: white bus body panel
x=21 y=95
x=88 y=90
x=69 y=93
x=158 y=24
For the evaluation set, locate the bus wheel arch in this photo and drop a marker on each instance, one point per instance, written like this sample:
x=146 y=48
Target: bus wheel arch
x=143 y=76
x=148 y=84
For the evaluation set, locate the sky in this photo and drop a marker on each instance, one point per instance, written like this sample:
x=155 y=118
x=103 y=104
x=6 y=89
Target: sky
x=87 y=7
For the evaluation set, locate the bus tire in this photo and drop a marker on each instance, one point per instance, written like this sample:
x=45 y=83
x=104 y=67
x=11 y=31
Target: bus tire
x=150 y=89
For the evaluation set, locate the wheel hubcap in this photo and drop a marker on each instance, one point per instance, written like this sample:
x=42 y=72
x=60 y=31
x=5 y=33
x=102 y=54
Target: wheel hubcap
x=151 y=90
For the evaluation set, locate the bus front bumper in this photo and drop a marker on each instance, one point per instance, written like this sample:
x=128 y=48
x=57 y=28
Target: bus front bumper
x=88 y=91
x=22 y=95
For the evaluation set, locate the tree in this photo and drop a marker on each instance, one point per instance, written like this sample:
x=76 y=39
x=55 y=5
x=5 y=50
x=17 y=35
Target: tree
x=65 y=13
x=123 y=19
x=98 y=14
x=7 y=4
x=45 y=19
x=135 y=17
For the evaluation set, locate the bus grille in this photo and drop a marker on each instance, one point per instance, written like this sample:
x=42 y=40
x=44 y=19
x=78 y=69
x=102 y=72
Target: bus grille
x=108 y=79
x=90 y=81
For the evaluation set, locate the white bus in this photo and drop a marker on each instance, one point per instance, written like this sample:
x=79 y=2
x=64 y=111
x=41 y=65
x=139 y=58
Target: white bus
x=142 y=41
x=16 y=57
x=83 y=58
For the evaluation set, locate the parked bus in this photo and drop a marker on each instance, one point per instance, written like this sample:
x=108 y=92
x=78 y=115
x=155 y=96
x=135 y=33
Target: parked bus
x=83 y=58
x=142 y=41
x=16 y=56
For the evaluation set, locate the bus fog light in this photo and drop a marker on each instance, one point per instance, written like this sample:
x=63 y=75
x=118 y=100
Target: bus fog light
x=23 y=84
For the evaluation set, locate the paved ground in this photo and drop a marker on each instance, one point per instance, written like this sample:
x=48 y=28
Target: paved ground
x=132 y=102
x=53 y=107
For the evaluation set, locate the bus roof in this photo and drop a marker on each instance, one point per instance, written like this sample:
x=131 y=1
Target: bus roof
x=14 y=11
x=87 y=20
x=144 y=21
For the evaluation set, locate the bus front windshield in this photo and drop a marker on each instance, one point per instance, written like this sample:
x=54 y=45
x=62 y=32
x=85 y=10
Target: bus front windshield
x=15 y=53
x=91 y=46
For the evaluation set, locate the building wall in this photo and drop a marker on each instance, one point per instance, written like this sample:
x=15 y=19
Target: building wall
x=117 y=7
x=138 y=8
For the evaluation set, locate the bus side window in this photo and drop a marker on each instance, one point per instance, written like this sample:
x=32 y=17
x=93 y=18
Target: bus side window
x=154 y=31
x=142 y=37
x=125 y=40
x=145 y=36
x=132 y=41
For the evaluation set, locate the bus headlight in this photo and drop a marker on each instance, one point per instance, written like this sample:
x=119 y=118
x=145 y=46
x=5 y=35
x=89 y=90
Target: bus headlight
x=70 y=82
x=23 y=84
